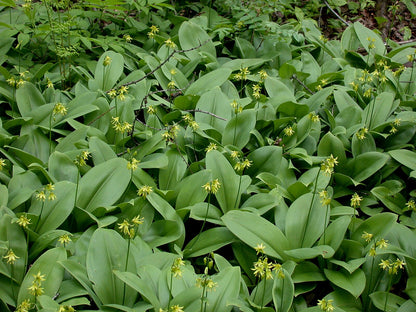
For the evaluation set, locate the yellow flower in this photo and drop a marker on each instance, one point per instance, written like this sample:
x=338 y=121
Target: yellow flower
x=20 y=83
x=368 y=93
x=144 y=191
x=173 y=72
x=234 y=154
x=240 y=166
x=393 y=130
x=263 y=74
x=411 y=205
x=11 y=81
x=171 y=85
x=176 y=308
x=262 y=268
x=23 y=221
x=38 y=278
x=59 y=109
x=355 y=200
x=133 y=164
x=361 y=133
x=124 y=227
x=385 y=264
x=10 y=257
x=64 y=239
x=382 y=243
x=260 y=248
x=354 y=86
x=314 y=117
x=151 y=110
x=128 y=38
x=112 y=93
x=211 y=147
x=194 y=125
x=176 y=267
x=107 y=61
x=51 y=196
x=66 y=308
x=24 y=306
x=2 y=163
x=137 y=220
x=244 y=72
x=367 y=236
x=154 y=29
x=372 y=251
x=170 y=44
x=288 y=131
x=325 y=199
x=35 y=290
x=49 y=84
x=326 y=305
x=212 y=187
x=41 y=196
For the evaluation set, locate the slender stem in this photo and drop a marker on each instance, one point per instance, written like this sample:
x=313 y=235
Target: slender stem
x=50 y=133
x=202 y=299
x=40 y=215
x=203 y=224
x=125 y=268
x=170 y=290
x=388 y=291
x=370 y=282
x=326 y=216
x=283 y=287
x=310 y=207
x=238 y=191
x=11 y=278
x=76 y=189
x=264 y=291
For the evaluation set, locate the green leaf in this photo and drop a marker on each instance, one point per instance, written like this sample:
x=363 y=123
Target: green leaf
x=278 y=92
x=173 y=173
x=255 y=230
x=283 y=292
x=378 y=225
x=55 y=212
x=162 y=232
x=237 y=131
x=190 y=190
x=405 y=157
x=366 y=36
x=265 y=159
x=209 y=241
x=232 y=185
x=215 y=102
x=106 y=76
x=62 y=168
x=192 y=35
x=103 y=185
x=228 y=288
x=393 y=301
x=28 y=99
x=334 y=234
x=139 y=285
x=353 y=283
x=47 y=265
x=107 y=252
x=305 y=221
x=309 y=253
x=365 y=165
x=209 y=81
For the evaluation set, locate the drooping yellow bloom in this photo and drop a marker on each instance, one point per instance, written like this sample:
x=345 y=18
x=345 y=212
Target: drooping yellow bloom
x=382 y=243
x=128 y=38
x=325 y=199
x=176 y=308
x=23 y=221
x=107 y=61
x=144 y=191
x=212 y=187
x=38 y=278
x=137 y=220
x=288 y=131
x=411 y=205
x=10 y=257
x=355 y=200
x=176 y=268
x=170 y=44
x=260 y=248
x=64 y=239
x=367 y=236
x=24 y=306
x=133 y=164
x=211 y=147
x=326 y=305
x=124 y=227
x=41 y=196
x=59 y=109
x=171 y=85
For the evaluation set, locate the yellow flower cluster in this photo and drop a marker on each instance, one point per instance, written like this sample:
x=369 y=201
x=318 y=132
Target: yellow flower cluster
x=288 y=131
x=176 y=268
x=66 y=308
x=381 y=243
x=242 y=74
x=144 y=191
x=328 y=165
x=10 y=257
x=81 y=159
x=236 y=106
x=212 y=187
x=65 y=239
x=392 y=266
x=121 y=127
x=325 y=199
x=36 y=288
x=59 y=109
x=355 y=200
x=263 y=268
x=211 y=147
x=23 y=221
x=24 y=306
x=190 y=122
x=153 y=31
x=107 y=61
x=120 y=93
x=48 y=190
x=170 y=44
x=171 y=133
x=326 y=305
x=2 y=163
x=129 y=228
x=241 y=165
x=128 y=38
x=361 y=133
x=256 y=91
x=133 y=164
x=411 y=205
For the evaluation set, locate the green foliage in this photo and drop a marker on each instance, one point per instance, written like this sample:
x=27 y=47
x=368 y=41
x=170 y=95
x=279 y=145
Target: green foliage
x=212 y=160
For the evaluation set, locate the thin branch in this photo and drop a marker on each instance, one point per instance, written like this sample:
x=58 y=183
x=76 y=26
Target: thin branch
x=204 y=112
x=101 y=115
x=336 y=14
x=163 y=63
x=302 y=84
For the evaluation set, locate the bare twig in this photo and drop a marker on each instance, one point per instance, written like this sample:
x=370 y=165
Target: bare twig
x=302 y=84
x=336 y=14
x=101 y=115
x=163 y=63
x=204 y=112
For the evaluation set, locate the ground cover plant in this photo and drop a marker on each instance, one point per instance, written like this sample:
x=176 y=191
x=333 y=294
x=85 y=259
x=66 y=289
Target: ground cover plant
x=196 y=156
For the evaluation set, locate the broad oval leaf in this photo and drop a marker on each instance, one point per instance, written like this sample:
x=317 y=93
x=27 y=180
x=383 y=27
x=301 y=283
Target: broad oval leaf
x=353 y=283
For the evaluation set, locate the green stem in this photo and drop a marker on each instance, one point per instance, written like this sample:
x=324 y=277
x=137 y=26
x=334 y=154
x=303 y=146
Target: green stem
x=11 y=278
x=283 y=287
x=40 y=215
x=203 y=224
x=50 y=133
x=264 y=291
x=310 y=207
x=125 y=268
x=170 y=289
x=76 y=189
x=238 y=191
x=388 y=291
x=410 y=79
x=326 y=216
x=370 y=282
x=202 y=299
